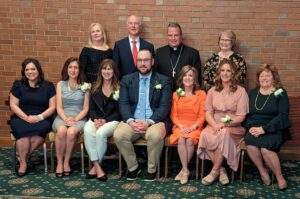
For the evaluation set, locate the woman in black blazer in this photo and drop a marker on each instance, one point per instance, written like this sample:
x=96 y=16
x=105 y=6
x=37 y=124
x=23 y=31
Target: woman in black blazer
x=104 y=116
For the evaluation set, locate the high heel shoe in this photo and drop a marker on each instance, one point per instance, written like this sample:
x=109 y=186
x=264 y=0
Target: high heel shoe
x=223 y=178
x=266 y=179
x=178 y=177
x=210 y=178
x=282 y=186
x=102 y=178
x=90 y=176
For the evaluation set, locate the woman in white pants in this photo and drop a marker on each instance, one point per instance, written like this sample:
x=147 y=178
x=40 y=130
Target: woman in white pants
x=104 y=116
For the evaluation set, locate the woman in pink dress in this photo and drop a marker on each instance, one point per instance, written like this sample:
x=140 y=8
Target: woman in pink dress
x=226 y=107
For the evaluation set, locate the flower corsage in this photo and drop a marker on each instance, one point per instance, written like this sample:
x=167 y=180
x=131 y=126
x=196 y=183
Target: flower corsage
x=226 y=120
x=116 y=94
x=180 y=92
x=157 y=86
x=85 y=87
x=278 y=92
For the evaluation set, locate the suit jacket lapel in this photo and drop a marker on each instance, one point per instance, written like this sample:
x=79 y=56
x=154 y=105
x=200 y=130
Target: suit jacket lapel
x=152 y=85
x=135 y=86
x=128 y=49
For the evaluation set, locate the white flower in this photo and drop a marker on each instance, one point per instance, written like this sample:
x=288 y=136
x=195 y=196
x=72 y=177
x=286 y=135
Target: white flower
x=115 y=95
x=85 y=86
x=226 y=120
x=180 y=92
x=278 y=92
x=158 y=86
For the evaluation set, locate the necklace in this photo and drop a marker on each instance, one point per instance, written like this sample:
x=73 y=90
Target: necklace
x=172 y=65
x=264 y=104
x=72 y=87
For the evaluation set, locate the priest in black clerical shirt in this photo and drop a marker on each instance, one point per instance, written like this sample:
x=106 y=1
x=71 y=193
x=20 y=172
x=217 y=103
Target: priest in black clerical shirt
x=171 y=58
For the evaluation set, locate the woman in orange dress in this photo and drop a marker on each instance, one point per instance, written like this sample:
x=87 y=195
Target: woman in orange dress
x=188 y=116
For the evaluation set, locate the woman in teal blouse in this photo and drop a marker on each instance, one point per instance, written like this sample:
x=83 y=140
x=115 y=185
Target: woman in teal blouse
x=267 y=123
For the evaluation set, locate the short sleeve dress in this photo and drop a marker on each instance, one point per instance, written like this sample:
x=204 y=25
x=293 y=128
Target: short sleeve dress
x=32 y=101
x=221 y=104
x=272 y=113
x=90 y=59
x=187 y=111
x=72 y=101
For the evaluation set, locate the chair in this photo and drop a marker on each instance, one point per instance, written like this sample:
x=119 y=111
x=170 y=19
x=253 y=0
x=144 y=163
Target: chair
x=167 y=147
x=80 y=141
x=139 y=142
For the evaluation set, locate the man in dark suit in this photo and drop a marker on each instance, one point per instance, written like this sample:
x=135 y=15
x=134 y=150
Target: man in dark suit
x=144 y=104
x=170 y=59
x=125 y=50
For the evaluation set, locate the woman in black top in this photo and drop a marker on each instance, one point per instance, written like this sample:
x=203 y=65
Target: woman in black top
x=267 y=123
x=95 y=51
x=104 y=116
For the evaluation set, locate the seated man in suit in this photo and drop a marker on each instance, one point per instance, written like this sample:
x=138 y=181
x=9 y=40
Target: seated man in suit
x=171 y=58
x=144 y=104
x=126 y=49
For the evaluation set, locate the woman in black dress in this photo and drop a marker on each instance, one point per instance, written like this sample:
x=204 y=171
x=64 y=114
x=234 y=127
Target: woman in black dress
x=32 y=100
x=267 y=123
x=95 y=51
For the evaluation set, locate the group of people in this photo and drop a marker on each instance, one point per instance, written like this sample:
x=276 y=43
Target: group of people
x=132 y=92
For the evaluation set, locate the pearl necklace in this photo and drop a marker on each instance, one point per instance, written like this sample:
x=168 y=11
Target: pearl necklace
x=264 y=104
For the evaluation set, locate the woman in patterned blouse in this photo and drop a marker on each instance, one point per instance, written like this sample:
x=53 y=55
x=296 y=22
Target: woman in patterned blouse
x=227 y=45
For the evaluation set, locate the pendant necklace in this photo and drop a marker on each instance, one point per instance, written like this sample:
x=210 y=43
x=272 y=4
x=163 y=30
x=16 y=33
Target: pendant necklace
x=172 y=65
x=264 y=104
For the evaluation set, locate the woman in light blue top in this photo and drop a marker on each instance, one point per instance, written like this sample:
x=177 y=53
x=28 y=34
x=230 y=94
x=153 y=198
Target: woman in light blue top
x=72 y=106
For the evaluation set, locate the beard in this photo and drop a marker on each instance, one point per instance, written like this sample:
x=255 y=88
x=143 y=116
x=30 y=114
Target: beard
x=145 y=72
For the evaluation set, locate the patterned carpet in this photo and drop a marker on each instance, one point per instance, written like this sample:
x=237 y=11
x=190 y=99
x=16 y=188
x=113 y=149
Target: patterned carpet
x=39 y=185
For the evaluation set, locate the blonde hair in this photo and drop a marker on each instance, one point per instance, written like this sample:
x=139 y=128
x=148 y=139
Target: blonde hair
x=183 y=71
x=232 y=37
x=89 y=42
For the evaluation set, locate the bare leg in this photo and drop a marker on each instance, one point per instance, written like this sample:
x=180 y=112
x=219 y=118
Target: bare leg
x=183 y=153
x=256 y=157
x=23 y=147
x=72 y=134
x=218 y=160
x=190 y=149
x=60 y=145
x=272 y=160
x=35 y=142
x=98 y=169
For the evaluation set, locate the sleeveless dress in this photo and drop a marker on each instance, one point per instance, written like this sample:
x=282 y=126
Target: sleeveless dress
x=72 y=101
x=32 y=101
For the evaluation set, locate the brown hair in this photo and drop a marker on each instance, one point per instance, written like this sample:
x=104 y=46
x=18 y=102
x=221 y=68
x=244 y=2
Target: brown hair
x=64 y=72
x=218 y=82
x=183 y=71
x=38 y=66
x=232 y=37
x=269 y=68
x=115 y=78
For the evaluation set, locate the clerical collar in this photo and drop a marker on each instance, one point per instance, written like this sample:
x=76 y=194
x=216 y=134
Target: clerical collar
x=175 y=49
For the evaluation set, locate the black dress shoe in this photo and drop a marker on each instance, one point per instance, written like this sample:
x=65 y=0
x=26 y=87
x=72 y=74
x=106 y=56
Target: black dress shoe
x=132 y=175
x=102 y=178
x=59 y=175
x=21 y=174
x=150 y=177
x=68 y=173
x=90 y=176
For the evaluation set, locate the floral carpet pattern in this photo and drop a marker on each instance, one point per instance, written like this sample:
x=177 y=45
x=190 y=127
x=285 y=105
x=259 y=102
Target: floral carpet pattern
x=37 y=184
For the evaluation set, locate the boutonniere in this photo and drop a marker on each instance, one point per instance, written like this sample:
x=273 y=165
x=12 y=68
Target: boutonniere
x=278 y=92
x=180 y=92
x=115 y=95
x=226 y=120
x=85 y=87
x=157 y=86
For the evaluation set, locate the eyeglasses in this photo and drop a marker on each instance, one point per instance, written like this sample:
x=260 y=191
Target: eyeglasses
x=143 y=60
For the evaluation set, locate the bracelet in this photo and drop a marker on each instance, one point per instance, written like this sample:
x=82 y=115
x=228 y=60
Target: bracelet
x=40 y=117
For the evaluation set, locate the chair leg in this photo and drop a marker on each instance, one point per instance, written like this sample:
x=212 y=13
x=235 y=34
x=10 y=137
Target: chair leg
x=202 y=168
x=51 y=156
x=158 y=169
x=197 y=167
x=166 y=161
x=242 y=165
x=14 y=158
x=45 y=157
x=120 y=165
x=82 y=158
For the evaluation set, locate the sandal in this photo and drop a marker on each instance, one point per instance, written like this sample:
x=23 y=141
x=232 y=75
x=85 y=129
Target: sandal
x=178 y=177
x=210 y=178
x=184 y=178
x=223 y=178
